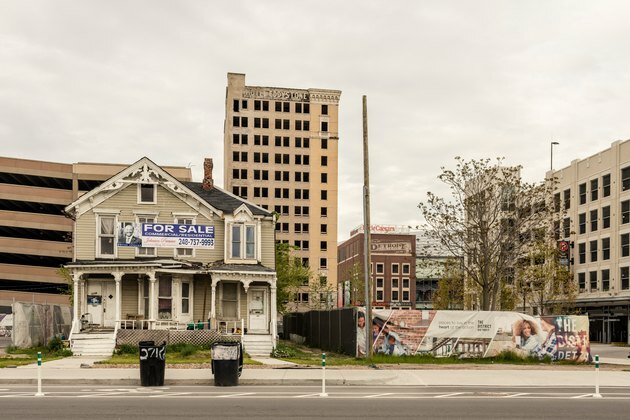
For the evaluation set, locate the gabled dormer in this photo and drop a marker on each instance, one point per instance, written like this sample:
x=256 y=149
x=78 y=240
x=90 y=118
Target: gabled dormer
x=243 y=237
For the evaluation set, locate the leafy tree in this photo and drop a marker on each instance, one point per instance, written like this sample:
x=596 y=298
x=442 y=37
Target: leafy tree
x=544 y=283
x=450 y=291
x=290 y=275
x=354 y=275
x=484 y=221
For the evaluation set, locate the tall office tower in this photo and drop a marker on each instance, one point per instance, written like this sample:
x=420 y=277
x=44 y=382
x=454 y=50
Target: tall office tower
x=280 y=150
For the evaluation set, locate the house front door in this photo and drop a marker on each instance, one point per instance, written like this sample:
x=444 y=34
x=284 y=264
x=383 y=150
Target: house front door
x=258 y=310
x=109 y=304
x=95 y=302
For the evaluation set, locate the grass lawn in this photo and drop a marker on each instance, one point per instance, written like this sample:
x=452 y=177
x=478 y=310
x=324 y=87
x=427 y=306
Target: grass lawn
x=19 y=357
x=303 y=355
x=179 y=354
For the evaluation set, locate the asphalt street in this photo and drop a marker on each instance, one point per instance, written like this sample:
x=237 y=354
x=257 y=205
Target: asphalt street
x=262 y=402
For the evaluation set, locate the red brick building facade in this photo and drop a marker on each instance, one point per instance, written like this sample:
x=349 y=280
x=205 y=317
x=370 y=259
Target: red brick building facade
x=393 y=265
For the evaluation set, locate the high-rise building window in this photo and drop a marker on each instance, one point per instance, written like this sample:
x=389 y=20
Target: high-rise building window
x=594 y=189
x=582 y=223
x=324 y=160
x=324 y=178
x=593 y=220
x=605 y=217
x=606 y=185
x=605 y=280
x=593 y=245
x=625 y=178
x=593 y=280
x=582 y=253
x=582 y=281
x=605 y=249
x=625 y=245
x=324 y=109
x=625 y=212
x=625 y=278
x=324 y=126
x=567 y=199
x=582 y=188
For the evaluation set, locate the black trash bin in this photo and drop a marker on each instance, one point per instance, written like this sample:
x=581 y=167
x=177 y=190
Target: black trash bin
x=152 y=363
x=227 y=363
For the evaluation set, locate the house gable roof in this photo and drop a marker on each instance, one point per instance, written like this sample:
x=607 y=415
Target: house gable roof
x=141 y=172
x=224 y=201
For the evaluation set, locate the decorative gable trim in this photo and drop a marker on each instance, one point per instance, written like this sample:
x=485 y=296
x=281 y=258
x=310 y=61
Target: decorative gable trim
x=144 y=171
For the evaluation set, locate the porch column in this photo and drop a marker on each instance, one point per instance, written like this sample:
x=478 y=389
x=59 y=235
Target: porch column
x=152 y=298
x=118 y=278
x=274 y=315
x=213 y=303
x=75 y=300
x=140 y=294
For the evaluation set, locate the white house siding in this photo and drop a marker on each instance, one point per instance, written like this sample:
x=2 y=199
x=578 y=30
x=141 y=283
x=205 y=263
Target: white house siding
x=268 y=251
x=85 y=241
x=126 y=201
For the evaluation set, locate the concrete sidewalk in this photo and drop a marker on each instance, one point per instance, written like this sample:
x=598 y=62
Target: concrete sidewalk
x=509 y=377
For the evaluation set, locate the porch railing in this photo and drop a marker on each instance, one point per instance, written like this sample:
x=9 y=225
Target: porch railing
x=236 y=327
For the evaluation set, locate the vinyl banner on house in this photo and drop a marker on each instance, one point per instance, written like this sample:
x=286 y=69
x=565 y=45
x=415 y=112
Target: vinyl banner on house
x=165 y=235
x=162 y=235
x=477 y=334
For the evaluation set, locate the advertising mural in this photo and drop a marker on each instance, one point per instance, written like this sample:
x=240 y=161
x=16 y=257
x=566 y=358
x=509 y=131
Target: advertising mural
x=475 y=334
x=165 y=235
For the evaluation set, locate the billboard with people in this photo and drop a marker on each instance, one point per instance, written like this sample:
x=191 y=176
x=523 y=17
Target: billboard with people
x=474 y=334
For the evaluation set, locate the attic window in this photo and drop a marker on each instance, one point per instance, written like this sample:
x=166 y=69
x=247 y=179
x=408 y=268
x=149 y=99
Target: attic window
x=146 y=194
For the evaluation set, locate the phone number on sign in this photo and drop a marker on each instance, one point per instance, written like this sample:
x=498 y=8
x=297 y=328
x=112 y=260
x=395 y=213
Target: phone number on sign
x=195 y=242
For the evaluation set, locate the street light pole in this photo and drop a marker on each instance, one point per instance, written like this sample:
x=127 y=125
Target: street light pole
x=553 y=143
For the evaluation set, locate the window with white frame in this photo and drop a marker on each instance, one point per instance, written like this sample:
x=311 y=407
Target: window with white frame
x=380 y=289
x=165 y=298
x=395 y=268
x=107 y=236
x=144 y=251
x=184 y=252
x=380 y=268
x=185 y=297
x=243 y=241
x=406 y=268
x=406 y=290
x=147 y=194
x=395 y=289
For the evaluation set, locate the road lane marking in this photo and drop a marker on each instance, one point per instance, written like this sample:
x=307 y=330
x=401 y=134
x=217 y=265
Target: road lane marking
x=520 y=394
x=306 y=396
x=235 y=395
x=378 y=395
x=449 y=395
x=582 y=396
x=175 y=394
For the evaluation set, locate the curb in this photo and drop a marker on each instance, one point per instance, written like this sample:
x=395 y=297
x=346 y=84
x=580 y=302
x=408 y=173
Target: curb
x=207 y=382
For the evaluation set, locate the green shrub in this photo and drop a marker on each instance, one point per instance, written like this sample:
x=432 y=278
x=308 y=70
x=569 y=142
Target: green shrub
x=11 y=349
x=283 y=351
x=55 y=345
x=188 y=350
x=64 y=353
x=127 y=349
x=176 y=348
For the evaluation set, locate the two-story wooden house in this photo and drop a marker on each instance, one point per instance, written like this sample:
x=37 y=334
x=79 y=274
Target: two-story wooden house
x=151 y=252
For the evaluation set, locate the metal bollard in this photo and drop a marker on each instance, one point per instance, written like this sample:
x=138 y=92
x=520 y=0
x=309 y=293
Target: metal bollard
x=39 y=375
x=323 y=394
x=597 y=394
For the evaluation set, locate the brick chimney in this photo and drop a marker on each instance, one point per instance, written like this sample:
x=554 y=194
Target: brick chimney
x=207 y=183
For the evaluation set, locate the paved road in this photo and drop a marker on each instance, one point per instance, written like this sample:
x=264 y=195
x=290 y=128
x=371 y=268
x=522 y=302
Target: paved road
x=306 y=403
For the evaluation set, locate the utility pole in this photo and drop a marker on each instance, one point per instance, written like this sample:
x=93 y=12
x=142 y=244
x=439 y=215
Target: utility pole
x=366 y=234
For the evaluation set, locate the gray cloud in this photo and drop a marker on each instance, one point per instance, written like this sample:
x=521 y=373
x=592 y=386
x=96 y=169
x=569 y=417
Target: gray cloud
x=117 y=80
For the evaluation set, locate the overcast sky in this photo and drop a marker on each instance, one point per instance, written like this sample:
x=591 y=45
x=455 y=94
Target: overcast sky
x=112 y=81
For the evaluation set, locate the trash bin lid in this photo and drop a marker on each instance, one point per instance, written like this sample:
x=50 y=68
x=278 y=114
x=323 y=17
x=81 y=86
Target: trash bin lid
x=146 y=343
x=220 y=352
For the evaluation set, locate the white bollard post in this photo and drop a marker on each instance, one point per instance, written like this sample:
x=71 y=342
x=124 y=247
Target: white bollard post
x=597 y=394
x=39 y=375
x=323 y=394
